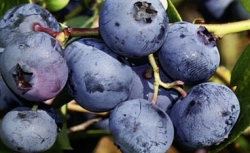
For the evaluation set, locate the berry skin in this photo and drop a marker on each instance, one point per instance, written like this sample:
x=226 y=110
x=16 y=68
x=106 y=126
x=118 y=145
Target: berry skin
x=189 y=53
x=33 y=66
x=8 y=100
x=98 y=78
x=133 y=28
x=140 y=126
x=22 y=18
x=205 y=116
x=100 y=44
x=27 y=131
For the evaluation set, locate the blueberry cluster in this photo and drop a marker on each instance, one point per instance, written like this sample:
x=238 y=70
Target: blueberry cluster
x=112 y=74
x=33 y=70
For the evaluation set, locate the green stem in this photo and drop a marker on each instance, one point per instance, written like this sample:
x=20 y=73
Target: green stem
x=221 y=30
x=158 y=82
x=82 y=32
x=35 y=107
x=63 y=35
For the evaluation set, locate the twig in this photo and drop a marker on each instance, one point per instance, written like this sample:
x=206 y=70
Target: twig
x=84 y=126
x=157 y=82
x=227 y=28
x=73 y=106
x=63 y=35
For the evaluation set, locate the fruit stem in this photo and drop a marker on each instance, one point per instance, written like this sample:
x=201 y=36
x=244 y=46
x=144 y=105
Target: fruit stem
x=157 y=82
x=84 y=126
x=227 y=28
x=74 y=107
x=63 y=35
x=38 y=27
x=81 y=32
x=35 y=107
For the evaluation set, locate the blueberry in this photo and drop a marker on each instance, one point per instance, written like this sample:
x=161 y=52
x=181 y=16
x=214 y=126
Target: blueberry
x=101 y=45
x=205 y=116
x=98 y=80
x=140 y=126
x=189 y=53
x=33 y=66
x=25 y=131
x=22 y=18
x=8 y=100
x=133 y=28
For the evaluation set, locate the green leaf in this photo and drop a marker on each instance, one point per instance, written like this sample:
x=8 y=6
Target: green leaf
x=6 y=5
x=176 y=1
x=241 y=70
x=63 y=139
x=172 y=13
x=246 y=4
x=81 y=22
x=241 y=79
x=62 y=142
x=244 y=144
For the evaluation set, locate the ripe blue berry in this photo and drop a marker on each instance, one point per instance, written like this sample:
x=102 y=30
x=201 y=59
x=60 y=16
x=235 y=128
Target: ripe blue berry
x=140 y=126
x=33 y=66
x=133 y=28
x=98 y=78
x=189 y=53
x=205 y=116
x=22 y=18
x=26 y=131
